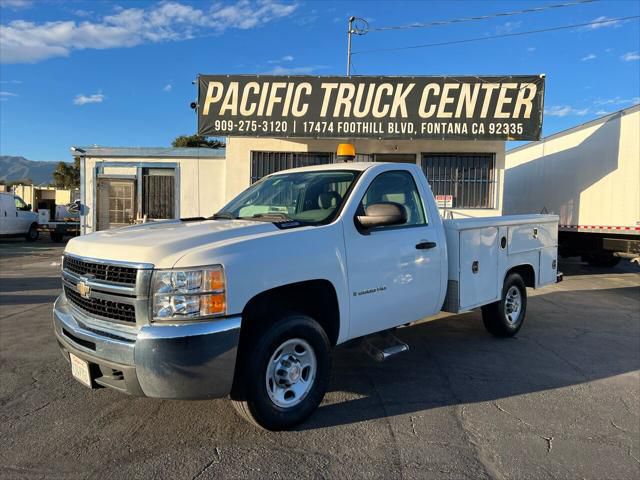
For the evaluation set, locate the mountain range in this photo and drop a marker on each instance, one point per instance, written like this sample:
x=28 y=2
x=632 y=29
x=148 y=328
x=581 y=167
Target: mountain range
x=18 y=168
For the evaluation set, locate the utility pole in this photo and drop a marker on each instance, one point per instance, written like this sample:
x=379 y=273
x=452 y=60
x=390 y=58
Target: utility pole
x=349 y=33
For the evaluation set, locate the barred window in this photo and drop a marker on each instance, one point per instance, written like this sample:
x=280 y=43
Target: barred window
x=465 y=180
x=158 y=193
x=266 y=163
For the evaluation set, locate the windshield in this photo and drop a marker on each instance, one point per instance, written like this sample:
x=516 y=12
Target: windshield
x=308 y=197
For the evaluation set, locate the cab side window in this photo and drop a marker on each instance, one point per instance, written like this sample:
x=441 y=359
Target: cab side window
x=398 y=187
x=20 y=205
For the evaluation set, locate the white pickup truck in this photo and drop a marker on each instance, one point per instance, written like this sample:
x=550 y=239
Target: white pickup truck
x=250 y=302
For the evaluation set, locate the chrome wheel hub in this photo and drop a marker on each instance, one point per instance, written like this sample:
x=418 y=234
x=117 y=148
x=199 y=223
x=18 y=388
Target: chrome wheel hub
x=291 y=373
x=513 y=305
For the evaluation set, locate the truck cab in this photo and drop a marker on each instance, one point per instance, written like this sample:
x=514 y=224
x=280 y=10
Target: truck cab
x=251 y=301
x=16 y=217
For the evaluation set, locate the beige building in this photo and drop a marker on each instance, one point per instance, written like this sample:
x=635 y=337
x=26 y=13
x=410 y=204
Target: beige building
x=120 y=186
x=45 y=197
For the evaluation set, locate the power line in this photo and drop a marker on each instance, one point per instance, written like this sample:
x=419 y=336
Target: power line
x=480 y=17
x=504 y=35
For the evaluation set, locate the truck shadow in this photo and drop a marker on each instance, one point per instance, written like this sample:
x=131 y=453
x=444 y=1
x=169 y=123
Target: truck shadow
x=453 y=361
x=573 y=266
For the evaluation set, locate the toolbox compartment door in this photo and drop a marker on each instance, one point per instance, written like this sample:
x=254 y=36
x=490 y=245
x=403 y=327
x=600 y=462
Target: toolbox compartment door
x=478 y=266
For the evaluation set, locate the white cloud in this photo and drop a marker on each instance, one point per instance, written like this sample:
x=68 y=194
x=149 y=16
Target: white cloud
x=16 y=4
x=8 y=94
x=81 y=99
x=286 y=58
x=603 y=23
x=565 y=110
x=167 y=88
x=630 y=56
x=29 y=42
x=82 y=13
x=507 y=27
x=602 y=112
x=14 y=82
x=280 y=70
x=586 y=58
x=616 y=101
x=531 y=49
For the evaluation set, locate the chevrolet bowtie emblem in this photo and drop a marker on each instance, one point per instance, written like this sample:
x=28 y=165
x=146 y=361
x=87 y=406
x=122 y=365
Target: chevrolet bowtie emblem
x=83 y=289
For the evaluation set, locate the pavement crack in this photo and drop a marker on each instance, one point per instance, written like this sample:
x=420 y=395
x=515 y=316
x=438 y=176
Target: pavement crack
x=613 y=424
x=36 y=409
x=549 y=440
x=413 y=424
x=482 y=454
x=633 y=456
x=215 y=460
x=391 y=432
x=568 y=362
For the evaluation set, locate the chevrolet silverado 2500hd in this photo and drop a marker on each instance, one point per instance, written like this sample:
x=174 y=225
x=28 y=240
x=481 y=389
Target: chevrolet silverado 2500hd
x=250 y=302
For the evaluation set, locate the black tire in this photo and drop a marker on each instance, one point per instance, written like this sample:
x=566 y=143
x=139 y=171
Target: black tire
x=602 y=260
x=56 y=237
x=256 y=406
x=33 y=234
x=495 y=317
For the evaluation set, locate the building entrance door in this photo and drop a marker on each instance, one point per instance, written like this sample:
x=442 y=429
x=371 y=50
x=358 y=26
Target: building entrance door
x=116 y=202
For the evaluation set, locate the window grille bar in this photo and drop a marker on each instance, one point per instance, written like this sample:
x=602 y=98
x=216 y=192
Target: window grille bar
x=469 y=177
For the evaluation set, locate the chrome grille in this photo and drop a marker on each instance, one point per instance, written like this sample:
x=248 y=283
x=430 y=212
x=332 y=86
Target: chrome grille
x=122 y=312
x=107 y=289
x=101 y=271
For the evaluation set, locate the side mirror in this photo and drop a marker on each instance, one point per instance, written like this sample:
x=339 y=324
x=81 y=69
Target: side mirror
x=28 y=207
x=382 y=214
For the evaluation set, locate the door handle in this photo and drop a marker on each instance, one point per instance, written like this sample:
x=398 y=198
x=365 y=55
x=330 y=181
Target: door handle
x=425 y=245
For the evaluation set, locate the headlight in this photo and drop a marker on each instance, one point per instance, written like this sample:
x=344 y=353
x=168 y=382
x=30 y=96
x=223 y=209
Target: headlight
x=188 y=294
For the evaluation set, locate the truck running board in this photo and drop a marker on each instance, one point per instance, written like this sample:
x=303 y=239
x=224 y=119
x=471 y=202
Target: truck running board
x=381 y=346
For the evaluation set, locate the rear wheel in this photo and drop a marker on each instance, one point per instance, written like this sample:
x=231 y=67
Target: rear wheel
x=505 y=318
x=33 y=234
x=287 y=373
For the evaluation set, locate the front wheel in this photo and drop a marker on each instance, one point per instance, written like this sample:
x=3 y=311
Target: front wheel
x=505 y=317
x=287 y=373
x=33 y=234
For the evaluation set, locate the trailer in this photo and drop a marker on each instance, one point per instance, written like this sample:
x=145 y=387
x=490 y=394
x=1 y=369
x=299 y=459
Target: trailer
x=589 y=175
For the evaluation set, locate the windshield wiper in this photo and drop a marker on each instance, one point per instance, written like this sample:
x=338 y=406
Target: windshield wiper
x=278 y=215
x=224 y=216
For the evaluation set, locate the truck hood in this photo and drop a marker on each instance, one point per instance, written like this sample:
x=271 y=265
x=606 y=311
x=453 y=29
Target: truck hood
x=162 y=243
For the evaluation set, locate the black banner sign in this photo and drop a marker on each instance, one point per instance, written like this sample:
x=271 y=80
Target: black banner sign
x=467 y=108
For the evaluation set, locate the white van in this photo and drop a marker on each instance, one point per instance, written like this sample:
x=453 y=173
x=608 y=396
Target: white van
x=16 y=218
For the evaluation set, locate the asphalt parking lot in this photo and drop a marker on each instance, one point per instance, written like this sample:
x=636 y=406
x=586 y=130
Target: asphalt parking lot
x=562 y=400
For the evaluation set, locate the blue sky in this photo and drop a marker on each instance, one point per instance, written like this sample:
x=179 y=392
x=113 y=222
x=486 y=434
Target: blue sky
x=119 y=73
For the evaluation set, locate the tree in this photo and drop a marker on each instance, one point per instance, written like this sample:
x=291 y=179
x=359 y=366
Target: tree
x=196 y=141
x=66 y=175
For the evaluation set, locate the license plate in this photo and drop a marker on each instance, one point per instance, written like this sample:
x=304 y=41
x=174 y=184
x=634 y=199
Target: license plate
x=80 y=370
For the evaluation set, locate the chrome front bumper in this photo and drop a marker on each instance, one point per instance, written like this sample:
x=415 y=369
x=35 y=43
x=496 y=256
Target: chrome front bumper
x=192 y=361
